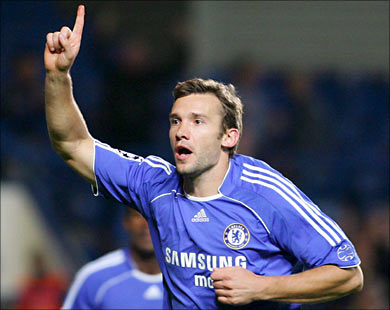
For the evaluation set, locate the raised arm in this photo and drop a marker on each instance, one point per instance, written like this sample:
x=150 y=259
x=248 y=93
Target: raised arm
x=68 y=132
x=237 y=286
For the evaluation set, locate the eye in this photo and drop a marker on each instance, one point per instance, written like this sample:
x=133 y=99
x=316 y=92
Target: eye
x=198 y=121
x=174 y=121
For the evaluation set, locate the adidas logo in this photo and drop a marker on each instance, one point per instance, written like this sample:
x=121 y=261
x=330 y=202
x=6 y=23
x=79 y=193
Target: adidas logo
x=200 y=217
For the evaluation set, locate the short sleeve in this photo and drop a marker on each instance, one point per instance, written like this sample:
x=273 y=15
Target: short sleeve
x=127 y=178
x=303 y=230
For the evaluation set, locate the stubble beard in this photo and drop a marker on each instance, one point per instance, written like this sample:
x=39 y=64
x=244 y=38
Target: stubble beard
x=201 y=165
x=196 y=169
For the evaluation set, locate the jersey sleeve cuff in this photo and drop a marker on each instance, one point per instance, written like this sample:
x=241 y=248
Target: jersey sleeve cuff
x=342 y=255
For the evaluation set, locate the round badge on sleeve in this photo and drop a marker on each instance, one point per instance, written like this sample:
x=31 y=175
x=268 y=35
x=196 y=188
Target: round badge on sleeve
x=345 y=252
x=236 y=236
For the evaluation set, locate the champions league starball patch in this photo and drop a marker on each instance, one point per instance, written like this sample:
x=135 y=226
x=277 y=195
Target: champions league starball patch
x=236 y=236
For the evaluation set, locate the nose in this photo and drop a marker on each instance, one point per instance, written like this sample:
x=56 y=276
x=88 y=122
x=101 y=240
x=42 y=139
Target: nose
x=182 y=131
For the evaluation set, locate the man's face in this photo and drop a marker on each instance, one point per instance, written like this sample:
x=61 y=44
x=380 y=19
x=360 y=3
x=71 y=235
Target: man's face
x=195 y=133
x=137 y=227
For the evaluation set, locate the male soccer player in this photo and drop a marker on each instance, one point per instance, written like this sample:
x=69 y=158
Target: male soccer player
x=128 y=278
x=227 y=229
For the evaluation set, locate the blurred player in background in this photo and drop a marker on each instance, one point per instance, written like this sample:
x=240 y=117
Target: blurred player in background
x=227 y=229
x=128 y=278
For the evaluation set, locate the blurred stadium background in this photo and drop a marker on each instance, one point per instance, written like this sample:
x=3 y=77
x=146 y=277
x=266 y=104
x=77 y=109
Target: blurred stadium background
x=314 y=78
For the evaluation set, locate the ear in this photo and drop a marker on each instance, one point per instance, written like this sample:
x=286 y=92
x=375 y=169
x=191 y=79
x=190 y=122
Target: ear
x=230 y=138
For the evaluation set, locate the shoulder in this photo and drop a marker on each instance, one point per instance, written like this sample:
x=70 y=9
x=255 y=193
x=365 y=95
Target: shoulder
x=159 y=166
x=257 y=183
x=270 y=192
x=151 y=166
x=93 y=275
x=104 y=267
x=112 y=150
x=255 y=175
x=159 y=176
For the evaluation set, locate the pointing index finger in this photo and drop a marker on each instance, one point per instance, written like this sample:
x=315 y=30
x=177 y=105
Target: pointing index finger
x=79 y=23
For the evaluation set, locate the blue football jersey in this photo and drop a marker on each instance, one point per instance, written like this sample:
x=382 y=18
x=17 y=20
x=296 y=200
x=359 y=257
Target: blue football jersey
x=112 y=282
x=259 y=220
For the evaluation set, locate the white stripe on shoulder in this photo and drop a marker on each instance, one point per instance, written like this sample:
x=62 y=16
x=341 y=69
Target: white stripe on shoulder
x=306 y=203
x=162 y=161
x=110 y=283
x=162 y=166
x=301 y=202
x=253 y=211
x=300 y=211
x=109 y=260
x=282 y=179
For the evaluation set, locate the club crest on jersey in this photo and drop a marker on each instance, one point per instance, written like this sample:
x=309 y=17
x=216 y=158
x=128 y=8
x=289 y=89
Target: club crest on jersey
x=236 y=236
x=345 y=252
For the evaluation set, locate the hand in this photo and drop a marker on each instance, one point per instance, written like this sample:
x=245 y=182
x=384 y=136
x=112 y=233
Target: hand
x=235 y=285
x=62 y=47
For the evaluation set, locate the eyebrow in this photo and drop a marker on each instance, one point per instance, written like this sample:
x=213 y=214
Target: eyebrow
x=193 y=115
x=196 y=115
x=173 y=115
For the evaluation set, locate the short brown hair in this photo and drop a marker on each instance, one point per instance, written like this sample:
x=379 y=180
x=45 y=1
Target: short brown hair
x=226 y=93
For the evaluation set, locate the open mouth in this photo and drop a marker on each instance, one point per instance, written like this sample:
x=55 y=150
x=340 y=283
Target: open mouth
x=182 y=152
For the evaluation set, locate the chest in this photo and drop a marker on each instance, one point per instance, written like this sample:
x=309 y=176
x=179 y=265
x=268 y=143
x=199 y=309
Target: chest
x=219 y=227
x=132 y=293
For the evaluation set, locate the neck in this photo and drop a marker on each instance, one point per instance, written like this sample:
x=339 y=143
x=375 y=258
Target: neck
x=208 y=182
x=145 y=261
